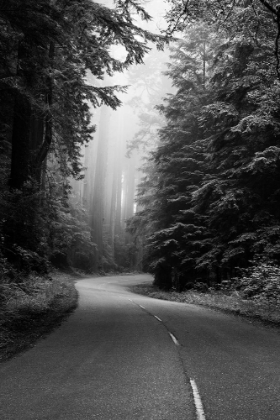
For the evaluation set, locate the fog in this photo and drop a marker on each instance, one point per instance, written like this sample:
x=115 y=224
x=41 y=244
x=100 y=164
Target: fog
x=123 y=139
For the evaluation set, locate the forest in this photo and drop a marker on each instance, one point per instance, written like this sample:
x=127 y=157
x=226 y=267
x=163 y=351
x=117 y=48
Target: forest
x=125 y=148
x=209 y=197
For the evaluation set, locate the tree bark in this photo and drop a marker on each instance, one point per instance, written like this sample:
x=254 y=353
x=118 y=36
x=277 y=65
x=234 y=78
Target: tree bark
x=45 y=146
x=97 y=205
x=20 y=142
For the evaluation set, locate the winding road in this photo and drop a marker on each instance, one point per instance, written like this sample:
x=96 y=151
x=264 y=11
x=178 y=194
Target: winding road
x=122 y=356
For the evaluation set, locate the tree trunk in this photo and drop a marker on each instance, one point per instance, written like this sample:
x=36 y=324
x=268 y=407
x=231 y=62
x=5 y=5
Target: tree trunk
x=97 y=205
x=20 y=142
x=45 y=146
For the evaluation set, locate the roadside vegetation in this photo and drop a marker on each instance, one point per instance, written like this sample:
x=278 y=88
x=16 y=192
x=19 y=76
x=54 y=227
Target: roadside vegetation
x=208 y=217
x=46 y=105
x=33 y=306
x=207 y=223
x=255 y=295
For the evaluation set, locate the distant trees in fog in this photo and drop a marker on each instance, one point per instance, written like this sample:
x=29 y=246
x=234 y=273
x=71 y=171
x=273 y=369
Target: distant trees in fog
x=48 y=49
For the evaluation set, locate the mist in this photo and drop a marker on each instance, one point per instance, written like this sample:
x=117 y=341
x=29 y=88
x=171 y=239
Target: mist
x=113 y=159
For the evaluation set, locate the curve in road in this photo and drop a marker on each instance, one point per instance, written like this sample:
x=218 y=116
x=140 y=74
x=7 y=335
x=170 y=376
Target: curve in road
x=126 y=356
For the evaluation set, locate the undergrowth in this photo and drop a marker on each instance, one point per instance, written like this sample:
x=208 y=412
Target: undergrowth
x=255 y=294
x=231 y=302
x=31 y=308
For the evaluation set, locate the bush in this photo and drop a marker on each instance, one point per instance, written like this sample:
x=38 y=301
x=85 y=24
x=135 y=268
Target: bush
x=59 y=259
x=201 y=287
x=261 y=281
x=28 y=261
x=189 y=285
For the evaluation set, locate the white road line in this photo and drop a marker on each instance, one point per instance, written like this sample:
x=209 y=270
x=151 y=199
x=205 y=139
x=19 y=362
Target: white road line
x=174 y=339
x=197 y=401
x=141 y=306
x=160 y=320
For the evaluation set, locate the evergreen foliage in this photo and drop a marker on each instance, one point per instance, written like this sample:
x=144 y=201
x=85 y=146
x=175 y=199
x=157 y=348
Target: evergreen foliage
x=48 y=51
x=213 y=200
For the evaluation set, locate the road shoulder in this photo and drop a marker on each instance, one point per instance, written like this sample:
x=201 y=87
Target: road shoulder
x=29 y=319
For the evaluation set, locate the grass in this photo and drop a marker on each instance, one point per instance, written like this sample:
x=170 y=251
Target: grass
x=264 y=311
x=32 y=309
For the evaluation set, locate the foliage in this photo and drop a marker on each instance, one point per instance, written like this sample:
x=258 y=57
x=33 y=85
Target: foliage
x=46 y=226
x=226 y=301
x=213 y=203
x=30 y=307
x=167 y=190
x=122 y=257
x=46 y=66
x=55 y=56
x=261 y=282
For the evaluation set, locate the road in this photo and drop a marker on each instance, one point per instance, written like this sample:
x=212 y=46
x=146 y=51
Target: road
x=123 y=356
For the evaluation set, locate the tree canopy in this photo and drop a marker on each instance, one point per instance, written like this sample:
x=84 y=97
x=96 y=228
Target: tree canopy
x=212 y=190
x=49 y=50
x=208 y=204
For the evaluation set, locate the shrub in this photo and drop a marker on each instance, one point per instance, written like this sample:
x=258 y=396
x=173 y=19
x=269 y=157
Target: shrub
x=201 y=287
x=261 y=281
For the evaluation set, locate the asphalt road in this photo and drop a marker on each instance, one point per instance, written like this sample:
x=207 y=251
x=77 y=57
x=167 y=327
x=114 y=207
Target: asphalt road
x=126 y=356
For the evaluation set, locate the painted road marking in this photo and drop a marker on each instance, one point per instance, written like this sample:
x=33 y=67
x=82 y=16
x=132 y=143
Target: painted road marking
x=174 y=339
x=140 y=306
x=197 y=401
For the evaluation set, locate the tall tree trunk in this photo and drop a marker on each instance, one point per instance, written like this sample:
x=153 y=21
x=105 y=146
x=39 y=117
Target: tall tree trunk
x=97 y=205
x=45 y=146
x=30 y=131
x=20 y=142
x=36 y=140
x=129 y=189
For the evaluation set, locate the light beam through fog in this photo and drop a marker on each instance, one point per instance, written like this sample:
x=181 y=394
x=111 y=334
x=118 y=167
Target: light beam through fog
x=114 y=157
